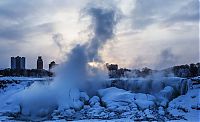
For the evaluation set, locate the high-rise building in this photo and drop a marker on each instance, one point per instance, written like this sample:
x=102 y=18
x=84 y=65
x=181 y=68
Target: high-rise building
x=18 y=63
x=39 y=63
x=13 y=63
x=23 y=61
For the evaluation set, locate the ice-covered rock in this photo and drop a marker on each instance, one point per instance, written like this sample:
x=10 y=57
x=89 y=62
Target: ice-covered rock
x=96 y=112
x=94 y=101
x=117 y=99
x=183 y=105
x=144 y=101
x=84 y=97
x=161 y=111
x=165 y=95
x=72 y=100
x=114 y=94
x=153 y=84
x=144 y=104
x=180 y=85
x=121 y=100
x=77 y=104
x=149 y=114
x=142 y=96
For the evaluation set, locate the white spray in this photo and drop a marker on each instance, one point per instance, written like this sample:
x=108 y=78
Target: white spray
x=72 y=74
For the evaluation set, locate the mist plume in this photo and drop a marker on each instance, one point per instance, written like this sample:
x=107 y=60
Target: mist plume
x=73 y=74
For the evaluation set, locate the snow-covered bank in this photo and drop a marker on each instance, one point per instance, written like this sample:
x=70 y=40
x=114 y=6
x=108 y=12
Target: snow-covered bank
x=187 y=106
x=119 y=105
x=110 y=103
x=24 y=78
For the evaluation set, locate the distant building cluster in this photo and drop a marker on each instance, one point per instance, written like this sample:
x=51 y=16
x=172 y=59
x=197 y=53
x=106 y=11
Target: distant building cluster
x=115 y=72
x=18 y=68
x=185 y=71
x=19 y=63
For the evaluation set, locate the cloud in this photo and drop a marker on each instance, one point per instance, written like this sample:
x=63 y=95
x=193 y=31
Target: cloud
x=146 y=13
x=166 y=59
x=103 y=24
x=24 y=22
x=187 y=13
x=145 y=26
x=19 y=32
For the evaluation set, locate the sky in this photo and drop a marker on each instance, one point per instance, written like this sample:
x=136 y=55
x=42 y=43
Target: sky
x=151 y=33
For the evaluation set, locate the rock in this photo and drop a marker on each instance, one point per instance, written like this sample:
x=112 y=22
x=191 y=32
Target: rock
x=139 y=116
x=144 y=104
x=86 y=107
x=94 y=101
x=112 y=114
x=96 y=112
x=161 y=111
x=133 y=106
x=84 y=97
x=142 y=96
x=77 y=104
x=113 y=97
x=67 y=112
x=197 y=107
x=165 y=95
x=149 y=114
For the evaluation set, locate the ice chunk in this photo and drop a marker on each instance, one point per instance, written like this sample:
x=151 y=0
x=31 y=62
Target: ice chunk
x=165 y=95
x=95 y=100
x=183 y=105
x=118 y=100
x=84 y=97
x=142 y=96
x=114 y=94
x=161 y=111
x=144 y=104
x=149 y=114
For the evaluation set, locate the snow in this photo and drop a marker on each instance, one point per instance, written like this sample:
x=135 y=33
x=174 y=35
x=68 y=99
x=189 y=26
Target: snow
x=96 y=120
x=144 y=104
x=122 y=100
x=24 y=78
x=10 y=100
x=84 y=97
x=117 y=99
x=142 y=96
x=115 y=94
x=149 y=114
x=109 y=104
x=161 y=111
x=165 y=95
x=153 y=84
x=187 y=105
x=94 y=101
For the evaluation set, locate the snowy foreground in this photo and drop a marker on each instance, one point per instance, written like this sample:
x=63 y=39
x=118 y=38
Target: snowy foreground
x=109 y=104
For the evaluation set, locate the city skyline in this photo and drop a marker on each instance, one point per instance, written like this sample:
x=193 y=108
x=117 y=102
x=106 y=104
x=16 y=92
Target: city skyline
x=99 y=60
x=19 y=62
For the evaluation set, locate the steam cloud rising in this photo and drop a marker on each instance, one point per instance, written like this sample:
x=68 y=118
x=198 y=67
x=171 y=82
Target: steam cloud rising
x=103 y=24
x=72 y=74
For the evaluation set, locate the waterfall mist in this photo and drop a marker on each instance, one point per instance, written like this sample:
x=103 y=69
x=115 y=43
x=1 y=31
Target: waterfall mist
x=73 y=74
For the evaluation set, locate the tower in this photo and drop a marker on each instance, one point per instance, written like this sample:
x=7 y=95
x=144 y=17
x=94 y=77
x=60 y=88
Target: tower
x=39 y=63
